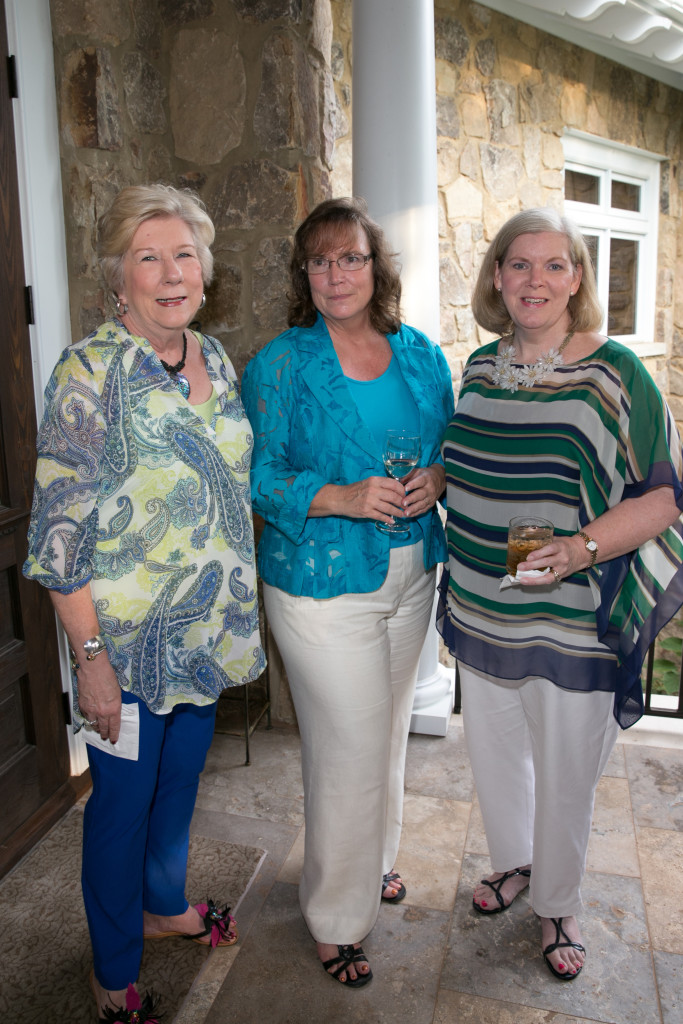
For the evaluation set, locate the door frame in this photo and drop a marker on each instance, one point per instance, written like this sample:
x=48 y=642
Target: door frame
x=29 y=32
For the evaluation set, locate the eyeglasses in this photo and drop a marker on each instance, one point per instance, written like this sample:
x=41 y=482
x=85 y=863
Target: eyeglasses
x=351 y=261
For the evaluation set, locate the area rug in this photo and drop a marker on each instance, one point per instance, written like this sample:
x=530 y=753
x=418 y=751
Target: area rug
x=44 y=945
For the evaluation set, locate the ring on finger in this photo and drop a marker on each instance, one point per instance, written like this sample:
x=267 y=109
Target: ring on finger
x=556 y=574
x=88 y=722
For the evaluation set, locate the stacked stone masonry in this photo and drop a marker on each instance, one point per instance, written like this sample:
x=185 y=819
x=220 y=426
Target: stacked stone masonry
x=248 y=102
x=505 y=93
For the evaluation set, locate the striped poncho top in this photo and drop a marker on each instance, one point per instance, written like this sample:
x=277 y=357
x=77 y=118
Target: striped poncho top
x=589 y=435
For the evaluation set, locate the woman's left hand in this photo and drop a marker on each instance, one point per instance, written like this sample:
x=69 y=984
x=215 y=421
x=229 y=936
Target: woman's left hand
x=424 y=487
x=564 y=555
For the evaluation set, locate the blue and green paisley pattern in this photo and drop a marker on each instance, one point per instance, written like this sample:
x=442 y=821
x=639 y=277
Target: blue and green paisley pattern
x=137 y=496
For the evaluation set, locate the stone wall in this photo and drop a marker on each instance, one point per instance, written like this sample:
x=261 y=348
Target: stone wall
x=505 y=94
x=232 y=99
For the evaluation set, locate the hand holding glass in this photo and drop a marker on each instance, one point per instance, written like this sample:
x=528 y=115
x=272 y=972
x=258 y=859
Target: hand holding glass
x=526 y=534
x=401 y=455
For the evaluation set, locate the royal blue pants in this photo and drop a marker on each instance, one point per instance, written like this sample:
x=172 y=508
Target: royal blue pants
x=136 y=834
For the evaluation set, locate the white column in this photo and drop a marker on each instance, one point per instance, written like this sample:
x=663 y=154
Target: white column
x=394 y=170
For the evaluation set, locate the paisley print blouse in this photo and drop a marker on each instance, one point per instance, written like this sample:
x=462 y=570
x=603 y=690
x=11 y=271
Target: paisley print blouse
x=137 y=496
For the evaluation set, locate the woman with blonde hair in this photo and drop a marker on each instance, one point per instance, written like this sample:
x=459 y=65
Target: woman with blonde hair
x=556 y=421
x=141 y=529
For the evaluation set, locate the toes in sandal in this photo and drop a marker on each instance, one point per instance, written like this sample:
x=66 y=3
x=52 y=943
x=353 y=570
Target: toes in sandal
x=347 y=956
x=137 y=1011
x=496 y=887
x=559 y=931
x=389 y=882
x=218 y=924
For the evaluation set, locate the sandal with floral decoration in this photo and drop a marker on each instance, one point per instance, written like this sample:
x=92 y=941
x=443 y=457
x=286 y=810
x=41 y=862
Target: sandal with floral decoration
x=137 y=1011
x=219 y=924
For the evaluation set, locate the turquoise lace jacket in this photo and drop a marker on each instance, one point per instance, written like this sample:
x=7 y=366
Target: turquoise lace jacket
x=307 y=433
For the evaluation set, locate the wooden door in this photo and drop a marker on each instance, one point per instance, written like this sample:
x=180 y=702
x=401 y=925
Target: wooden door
x=34 y=759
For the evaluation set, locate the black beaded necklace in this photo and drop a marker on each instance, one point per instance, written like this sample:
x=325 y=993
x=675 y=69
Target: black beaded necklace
x=179 y=379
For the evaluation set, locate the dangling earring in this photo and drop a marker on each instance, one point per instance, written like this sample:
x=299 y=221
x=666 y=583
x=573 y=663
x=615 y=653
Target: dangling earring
x=203 y=302
x=121 y=307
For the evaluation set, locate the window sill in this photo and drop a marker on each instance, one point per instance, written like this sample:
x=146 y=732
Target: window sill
x=646 y=349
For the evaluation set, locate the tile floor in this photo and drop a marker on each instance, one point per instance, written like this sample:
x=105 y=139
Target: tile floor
x=435 y=960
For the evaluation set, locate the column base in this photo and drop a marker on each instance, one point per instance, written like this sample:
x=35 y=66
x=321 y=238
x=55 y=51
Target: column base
x=433 y=719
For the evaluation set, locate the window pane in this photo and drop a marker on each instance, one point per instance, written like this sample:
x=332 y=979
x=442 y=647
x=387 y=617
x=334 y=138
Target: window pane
x=581 y=188
x=593 y=246
x=625 y=196
x=623 y=267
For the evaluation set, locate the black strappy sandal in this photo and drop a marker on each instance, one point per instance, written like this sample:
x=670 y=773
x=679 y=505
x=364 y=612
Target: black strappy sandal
x=559 y=930
x=389 y=882
x=496 y=887
x=347 y=956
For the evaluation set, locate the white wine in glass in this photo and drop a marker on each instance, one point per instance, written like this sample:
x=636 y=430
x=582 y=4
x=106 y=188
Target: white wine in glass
x=401 y=454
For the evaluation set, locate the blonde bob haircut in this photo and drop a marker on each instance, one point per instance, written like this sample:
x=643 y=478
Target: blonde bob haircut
x=138 y=203
x=584 y=307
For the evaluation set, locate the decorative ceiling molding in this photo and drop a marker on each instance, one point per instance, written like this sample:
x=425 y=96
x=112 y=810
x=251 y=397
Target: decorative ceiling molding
x=645 y=35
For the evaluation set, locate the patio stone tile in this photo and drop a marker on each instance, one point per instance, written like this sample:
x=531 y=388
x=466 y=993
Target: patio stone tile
x=466 y=1009
x=612 y=846
x=661 y=859
x=270 y=787
x=476 y=836
x=669 y=975
x=500 y=958
x=656 y=781
x=278 y=956
x=438 y=765
x=616 y=765
x=430 y=854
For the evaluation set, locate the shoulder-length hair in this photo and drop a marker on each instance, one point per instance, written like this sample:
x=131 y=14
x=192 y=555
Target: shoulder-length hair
x=331 y=224
x=138 y=203
x=584 y=306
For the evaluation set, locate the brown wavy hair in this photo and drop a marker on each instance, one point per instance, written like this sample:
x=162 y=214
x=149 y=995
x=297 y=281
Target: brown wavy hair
x=328 y=227
x=584 y=307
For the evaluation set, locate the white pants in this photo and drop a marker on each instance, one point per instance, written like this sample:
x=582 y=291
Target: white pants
x=537 y=752
x=352 y=664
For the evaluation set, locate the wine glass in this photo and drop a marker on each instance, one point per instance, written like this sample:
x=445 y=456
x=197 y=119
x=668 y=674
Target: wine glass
x=400 y=454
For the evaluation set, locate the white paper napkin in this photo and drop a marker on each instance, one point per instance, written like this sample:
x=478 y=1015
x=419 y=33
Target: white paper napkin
x=129 y=738
x=510 y=581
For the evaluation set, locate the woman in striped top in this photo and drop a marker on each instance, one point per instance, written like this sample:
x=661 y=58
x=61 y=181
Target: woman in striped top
x=557 y=421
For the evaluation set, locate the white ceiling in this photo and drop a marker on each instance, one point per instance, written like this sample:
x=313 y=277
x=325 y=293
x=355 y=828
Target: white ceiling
x=645 y=35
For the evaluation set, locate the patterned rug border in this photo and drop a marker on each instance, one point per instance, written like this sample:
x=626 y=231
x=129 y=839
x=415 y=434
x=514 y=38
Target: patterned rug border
x=44 y=945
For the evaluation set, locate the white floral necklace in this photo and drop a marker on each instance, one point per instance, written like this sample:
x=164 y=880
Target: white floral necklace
x=509 y=377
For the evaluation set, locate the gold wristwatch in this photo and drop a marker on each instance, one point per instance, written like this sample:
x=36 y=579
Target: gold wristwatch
x=591 y=547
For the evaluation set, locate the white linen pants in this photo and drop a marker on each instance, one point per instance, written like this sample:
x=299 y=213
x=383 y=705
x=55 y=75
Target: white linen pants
x=352 y=664
x=537 y=753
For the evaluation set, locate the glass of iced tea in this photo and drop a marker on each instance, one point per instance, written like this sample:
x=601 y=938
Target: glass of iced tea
x=526 y=534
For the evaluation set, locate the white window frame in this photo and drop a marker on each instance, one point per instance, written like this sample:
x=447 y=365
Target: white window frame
x=589 y=154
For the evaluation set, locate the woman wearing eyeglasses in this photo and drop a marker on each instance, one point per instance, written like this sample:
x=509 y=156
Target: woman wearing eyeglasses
x=348 y=604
